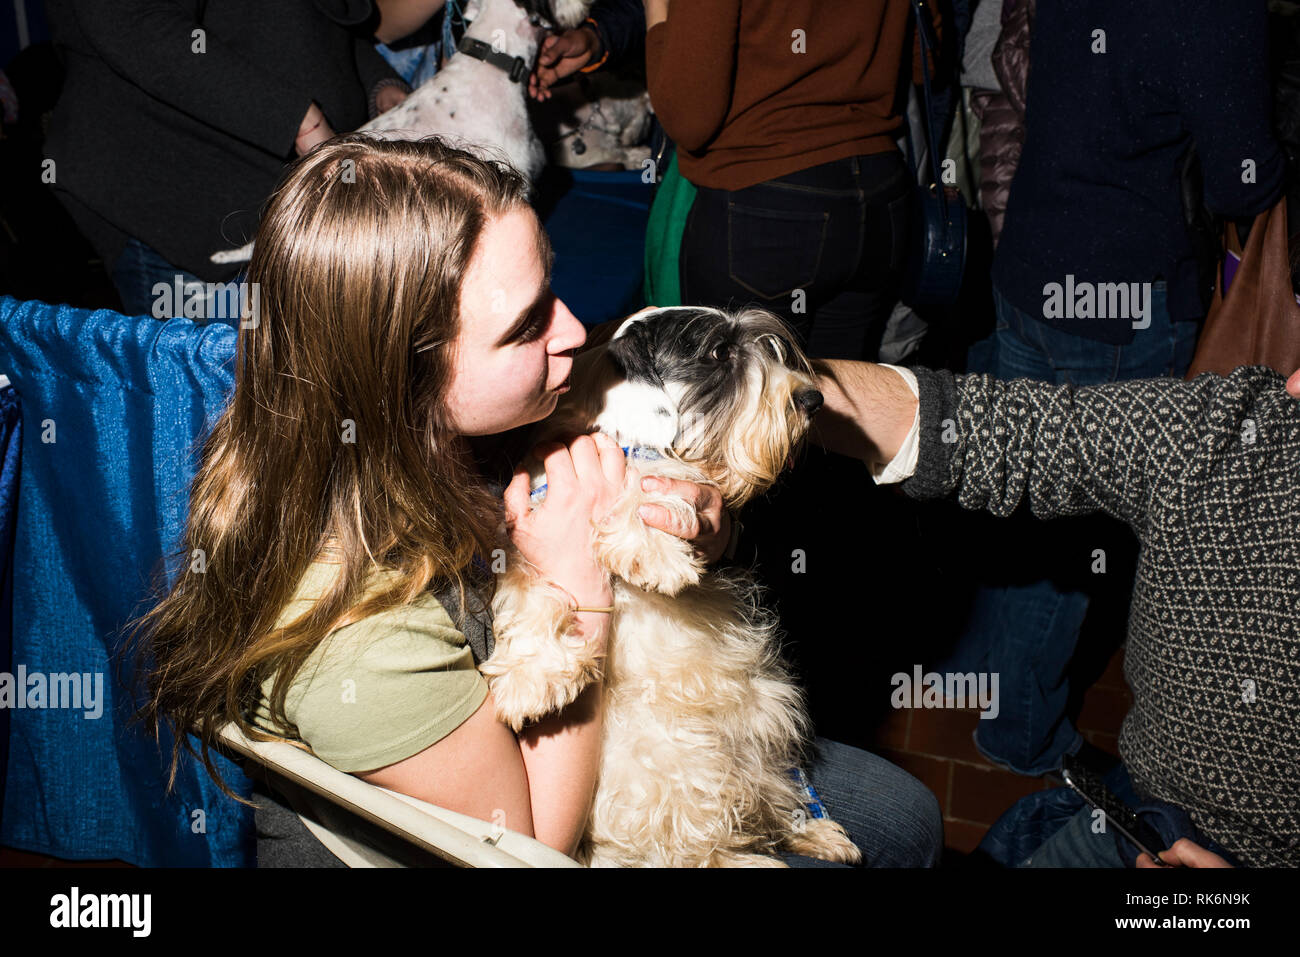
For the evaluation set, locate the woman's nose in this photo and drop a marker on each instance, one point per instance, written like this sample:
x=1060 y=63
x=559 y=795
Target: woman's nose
x=570 y=333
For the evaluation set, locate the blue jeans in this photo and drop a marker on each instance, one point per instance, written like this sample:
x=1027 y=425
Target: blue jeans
x=1028 y=632
x=889 y=814
x=140 y=268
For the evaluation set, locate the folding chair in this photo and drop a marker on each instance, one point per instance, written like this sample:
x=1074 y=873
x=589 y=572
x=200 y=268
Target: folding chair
x=368 y=826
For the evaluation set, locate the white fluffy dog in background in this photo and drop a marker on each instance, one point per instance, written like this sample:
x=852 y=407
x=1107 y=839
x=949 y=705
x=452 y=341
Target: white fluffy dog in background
x=703 y=724
x=475 y=103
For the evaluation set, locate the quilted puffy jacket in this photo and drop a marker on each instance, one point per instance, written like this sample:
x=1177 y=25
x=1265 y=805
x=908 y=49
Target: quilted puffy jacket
x=1002 y=113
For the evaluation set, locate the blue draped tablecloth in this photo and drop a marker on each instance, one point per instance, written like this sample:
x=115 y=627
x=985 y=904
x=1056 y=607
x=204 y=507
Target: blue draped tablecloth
x=113 y=411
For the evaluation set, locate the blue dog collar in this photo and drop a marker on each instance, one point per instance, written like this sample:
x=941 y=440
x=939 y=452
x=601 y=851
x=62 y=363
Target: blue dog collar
x=812 y=800
x=640 y=453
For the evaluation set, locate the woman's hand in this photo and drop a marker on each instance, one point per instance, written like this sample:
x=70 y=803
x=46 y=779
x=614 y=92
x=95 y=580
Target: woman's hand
x=389 y=97
x=313 y=129
x=710 y=530
x=561 y=55
x=1185 y=853
x=583 y=480
x=1293 y=384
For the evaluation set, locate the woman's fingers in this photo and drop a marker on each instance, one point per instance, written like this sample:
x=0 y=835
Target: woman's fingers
x=661 y=518
x=613 y=463
x=561 y=479
x=705 y=499
x=585 y=455
x=516 y=496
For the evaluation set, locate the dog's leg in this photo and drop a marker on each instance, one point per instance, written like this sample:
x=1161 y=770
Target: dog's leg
x=643 y=556
x=538 y=666
x=822 y=838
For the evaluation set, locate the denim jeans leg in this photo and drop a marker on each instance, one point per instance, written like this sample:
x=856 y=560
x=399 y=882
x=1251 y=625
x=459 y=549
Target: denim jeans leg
x=1078 y=844
x=1027 y=632
x=1028 y=824
x=889 y=814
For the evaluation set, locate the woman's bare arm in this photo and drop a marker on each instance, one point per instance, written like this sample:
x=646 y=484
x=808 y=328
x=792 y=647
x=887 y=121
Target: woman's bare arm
x=475 y=770
x=562 y=755
x=540 y=784
x=401 y=18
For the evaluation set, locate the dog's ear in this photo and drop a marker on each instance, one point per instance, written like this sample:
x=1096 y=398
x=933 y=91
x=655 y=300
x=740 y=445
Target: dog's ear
x=569 y=13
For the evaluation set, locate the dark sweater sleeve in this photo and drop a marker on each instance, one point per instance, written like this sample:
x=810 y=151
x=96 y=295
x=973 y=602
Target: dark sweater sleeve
x=1113 y=448
x=690 y=62
x=149 y=43
x=621 y=25
x=1228 y=108
x=375 y=73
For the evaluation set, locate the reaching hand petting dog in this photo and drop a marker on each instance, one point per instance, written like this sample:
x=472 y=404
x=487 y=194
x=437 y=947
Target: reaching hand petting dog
x=703 y=724
x=478 y=100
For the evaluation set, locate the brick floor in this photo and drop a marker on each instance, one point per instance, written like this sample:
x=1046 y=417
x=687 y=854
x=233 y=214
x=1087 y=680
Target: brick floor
x=936 y=746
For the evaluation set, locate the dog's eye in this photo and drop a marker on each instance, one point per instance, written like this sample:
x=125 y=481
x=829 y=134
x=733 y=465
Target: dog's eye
x=720 y=353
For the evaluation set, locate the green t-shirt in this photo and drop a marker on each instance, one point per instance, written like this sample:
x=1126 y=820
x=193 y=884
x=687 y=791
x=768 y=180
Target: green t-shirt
x=381 y=689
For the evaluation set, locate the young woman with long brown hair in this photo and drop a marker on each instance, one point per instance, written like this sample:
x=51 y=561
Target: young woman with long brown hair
x=404 y=310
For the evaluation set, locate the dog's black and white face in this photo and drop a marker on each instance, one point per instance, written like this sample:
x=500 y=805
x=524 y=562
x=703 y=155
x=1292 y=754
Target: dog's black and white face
x=729 y=392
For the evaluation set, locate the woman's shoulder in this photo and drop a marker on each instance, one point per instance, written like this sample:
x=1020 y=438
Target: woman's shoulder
x=374 y=689
x=410 y=626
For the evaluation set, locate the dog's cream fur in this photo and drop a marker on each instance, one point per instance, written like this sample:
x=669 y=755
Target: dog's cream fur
x=702 y=721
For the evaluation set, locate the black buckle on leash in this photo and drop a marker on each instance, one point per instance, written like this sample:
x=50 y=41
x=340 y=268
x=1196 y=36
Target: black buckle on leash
x=513 y=66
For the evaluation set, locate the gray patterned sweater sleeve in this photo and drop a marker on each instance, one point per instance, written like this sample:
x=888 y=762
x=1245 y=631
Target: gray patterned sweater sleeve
x=1069 y=451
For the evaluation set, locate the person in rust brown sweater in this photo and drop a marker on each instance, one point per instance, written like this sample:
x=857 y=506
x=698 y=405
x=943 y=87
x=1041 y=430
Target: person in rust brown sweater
x=785 y=117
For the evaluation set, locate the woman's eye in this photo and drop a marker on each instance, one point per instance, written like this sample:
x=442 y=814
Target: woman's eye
x=536 y=326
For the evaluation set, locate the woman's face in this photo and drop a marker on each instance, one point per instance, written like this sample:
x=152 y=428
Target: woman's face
x=514 y=351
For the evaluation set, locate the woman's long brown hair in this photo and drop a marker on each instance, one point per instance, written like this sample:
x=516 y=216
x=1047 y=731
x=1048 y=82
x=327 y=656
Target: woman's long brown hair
x=336 y=432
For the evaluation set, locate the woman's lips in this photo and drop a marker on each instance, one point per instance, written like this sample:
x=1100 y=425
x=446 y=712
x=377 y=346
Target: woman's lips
x=563 y=386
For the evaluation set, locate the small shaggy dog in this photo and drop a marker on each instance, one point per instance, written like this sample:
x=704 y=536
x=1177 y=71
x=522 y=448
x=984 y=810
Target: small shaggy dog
x=703 y=725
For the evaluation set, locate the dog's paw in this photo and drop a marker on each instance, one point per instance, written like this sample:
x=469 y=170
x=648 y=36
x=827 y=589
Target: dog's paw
x=521 y=692
x=822 y=838
x=644 y=556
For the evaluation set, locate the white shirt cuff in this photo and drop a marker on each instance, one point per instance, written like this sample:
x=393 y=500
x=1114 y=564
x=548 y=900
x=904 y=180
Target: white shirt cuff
x=904 y=463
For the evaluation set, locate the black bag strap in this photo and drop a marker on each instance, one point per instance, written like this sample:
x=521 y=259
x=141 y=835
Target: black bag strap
x=929 y=44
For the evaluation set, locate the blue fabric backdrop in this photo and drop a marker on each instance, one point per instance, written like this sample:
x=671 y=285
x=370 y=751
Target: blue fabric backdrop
x=10 y=455
x=113 y=410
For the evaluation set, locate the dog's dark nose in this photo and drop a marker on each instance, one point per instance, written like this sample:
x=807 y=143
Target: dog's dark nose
x=809 y=400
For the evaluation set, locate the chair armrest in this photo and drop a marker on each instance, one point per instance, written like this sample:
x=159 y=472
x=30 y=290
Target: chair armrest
x=454 y=837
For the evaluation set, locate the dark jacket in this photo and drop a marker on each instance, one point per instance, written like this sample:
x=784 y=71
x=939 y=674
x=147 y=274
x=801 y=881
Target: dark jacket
x=1002 y=112
x=621 y=26
x=1207 y=474
x=1096 y=194
x=180 y=149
